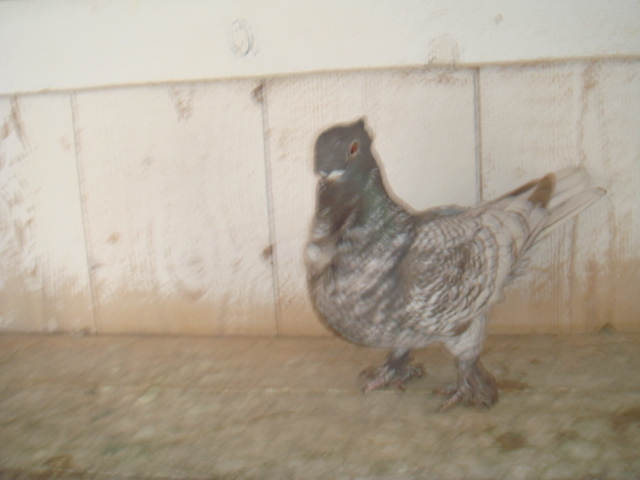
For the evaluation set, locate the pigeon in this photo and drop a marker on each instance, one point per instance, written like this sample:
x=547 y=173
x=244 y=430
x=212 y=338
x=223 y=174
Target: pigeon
x=382 y=275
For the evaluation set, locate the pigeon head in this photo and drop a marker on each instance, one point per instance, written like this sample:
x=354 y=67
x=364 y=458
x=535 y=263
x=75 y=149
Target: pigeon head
x=343 y=155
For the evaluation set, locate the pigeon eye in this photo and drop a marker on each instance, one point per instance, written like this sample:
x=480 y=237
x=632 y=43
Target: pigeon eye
x=354 y=148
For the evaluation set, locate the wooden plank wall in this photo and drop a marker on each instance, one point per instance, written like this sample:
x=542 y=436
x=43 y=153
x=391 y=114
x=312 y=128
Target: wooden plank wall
x=183 y=208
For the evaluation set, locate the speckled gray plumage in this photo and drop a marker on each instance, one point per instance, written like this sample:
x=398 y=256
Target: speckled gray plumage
x=383 y=276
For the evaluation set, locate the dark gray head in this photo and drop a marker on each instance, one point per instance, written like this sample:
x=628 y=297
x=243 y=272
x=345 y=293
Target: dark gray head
x=343 y=154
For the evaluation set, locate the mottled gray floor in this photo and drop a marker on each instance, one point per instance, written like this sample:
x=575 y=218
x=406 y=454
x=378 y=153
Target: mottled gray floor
x=194 y=408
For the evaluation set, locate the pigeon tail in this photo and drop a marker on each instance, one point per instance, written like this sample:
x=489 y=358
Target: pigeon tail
x=572 y=195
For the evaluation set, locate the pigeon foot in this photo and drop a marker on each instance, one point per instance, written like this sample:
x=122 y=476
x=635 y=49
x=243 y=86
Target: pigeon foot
x=394 y=371
x=476 y=387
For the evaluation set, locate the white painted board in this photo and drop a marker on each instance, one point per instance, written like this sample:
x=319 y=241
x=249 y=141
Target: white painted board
x=606 y=274
x=75 y=44
x=174 y=185
x=44 y=281
x=424 y=134
x=540 y=119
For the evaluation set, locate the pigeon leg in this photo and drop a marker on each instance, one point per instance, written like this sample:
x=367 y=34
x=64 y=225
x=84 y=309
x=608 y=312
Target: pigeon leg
x=475 y=387
x=394 y=371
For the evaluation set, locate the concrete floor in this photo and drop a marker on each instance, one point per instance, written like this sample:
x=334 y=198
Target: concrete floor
x=196 y=408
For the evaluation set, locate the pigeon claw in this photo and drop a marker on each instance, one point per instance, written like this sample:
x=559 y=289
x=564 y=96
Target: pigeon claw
x=395 y=371
x=476 y=387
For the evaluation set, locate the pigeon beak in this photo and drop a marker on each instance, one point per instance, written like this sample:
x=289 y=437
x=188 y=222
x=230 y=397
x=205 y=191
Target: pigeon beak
x=333 y=176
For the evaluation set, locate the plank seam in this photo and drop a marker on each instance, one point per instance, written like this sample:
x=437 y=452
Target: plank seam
x=477 y=114
x=97 y=327
x=270 y=209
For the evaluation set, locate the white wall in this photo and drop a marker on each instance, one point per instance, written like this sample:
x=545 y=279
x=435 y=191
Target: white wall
x=72 y=44
x=183 y=206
